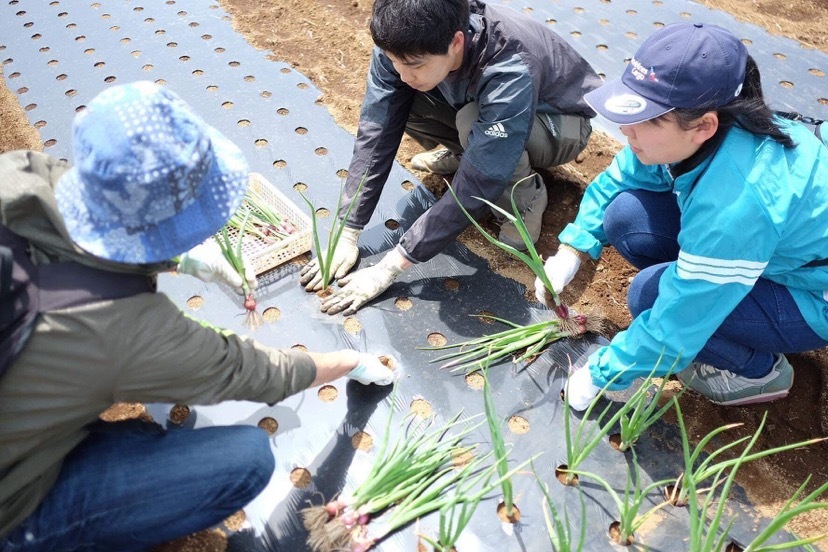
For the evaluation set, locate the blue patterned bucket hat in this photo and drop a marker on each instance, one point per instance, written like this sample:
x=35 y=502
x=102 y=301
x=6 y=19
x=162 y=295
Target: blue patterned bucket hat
x=151 y=179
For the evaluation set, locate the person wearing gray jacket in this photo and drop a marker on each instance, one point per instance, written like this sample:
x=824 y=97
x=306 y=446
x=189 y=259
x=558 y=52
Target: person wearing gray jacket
x=499 y=93
x=151 y=180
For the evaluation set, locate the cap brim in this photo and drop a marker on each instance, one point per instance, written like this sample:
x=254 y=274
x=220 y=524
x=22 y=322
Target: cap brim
x=618 y=103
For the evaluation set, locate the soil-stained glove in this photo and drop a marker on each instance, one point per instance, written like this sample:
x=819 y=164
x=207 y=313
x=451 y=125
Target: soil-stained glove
x=362 y=286
x=207 y=263
x=344 y=258
x=580 y=391
x=560 y=269
x=371 y=370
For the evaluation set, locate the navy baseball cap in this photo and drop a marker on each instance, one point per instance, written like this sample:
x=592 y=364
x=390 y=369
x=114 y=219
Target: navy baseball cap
x=684 y=65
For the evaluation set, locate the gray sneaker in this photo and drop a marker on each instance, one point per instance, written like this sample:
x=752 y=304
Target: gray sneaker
x=532 y=218
x=442 y=162
x=729 y=389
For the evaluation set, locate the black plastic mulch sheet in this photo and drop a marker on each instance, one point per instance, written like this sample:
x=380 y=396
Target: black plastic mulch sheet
x=58 y=55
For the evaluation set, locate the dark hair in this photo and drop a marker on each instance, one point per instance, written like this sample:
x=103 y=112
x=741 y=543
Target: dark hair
x=748 y=111
x=407 y=28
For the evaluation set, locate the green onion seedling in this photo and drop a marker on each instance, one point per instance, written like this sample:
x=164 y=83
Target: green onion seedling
x=559 y=528
x=233 y=253
x=630 y=503
x=531 y=257
x=325 y=256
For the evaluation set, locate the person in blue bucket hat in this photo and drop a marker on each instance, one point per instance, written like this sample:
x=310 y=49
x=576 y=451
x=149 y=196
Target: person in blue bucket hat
x=151 y=182
x=722 y=205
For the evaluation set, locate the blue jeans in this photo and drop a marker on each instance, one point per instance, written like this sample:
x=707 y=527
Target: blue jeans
x=131 y=485
x=643 y=226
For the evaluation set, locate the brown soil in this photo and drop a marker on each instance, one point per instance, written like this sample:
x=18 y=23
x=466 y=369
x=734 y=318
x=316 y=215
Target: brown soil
x=300 y=477
x=403 y=303
x=269 y=424
x=328 y=393
x=436 y=339
x=362 y=441
x=475 y=380
x=329 y=42
x=506 y=518
x=518 y=425
x=421 y=408
x=352 y=325
x=195 y=302
x=271 y=314
x=179 y=414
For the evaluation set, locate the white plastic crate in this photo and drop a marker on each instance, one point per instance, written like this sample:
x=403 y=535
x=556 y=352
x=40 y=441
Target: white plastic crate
x=266 y=255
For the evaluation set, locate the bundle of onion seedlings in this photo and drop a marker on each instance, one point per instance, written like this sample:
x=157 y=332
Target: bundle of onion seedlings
x=413 y=477
x=418 y=455
x=525 y=342
x=262 y=220
x=233 y=253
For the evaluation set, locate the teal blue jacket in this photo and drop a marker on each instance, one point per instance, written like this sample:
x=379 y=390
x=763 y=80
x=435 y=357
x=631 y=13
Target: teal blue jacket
x=753 y=209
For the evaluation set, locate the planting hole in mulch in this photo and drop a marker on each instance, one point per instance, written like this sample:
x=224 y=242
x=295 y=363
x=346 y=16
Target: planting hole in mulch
x=615 y=441
x=451 y=284
x=270 y=425
x=421 y=408
x=324 y=293
x=235 y=522
x=561 y=476
x=271 y=314
x=506 y=518
x=387 y=361
x=322 y=212
x=362 y=441
x=671 y=495
x=437 y=339
x=615 y=534
x=518 y=425
x=126 y=411
x=733 y=547
x=328 y=393
x=352 y=325
x=179 y=413
x=300 y=187
x=300 y=477
x=392 y=224
x=195 y=302
x=462 y=458
x=299 y=347
x=407 y=185
x=475 y=380
x=403 y=303
x=484 y=316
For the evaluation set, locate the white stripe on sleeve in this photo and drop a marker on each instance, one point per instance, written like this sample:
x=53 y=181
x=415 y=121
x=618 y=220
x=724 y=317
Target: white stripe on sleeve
x=718 y=271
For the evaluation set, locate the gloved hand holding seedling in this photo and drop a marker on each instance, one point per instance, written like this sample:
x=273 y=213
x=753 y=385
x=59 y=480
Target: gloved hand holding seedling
x=341 y=253
x=233 y=254
x=207 y=263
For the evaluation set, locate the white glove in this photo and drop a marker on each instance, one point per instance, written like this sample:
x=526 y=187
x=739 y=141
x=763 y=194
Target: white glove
x=207 y=263
x=580 y=391
x=560 y=269
x=371 y=370
x=344 y=258
x=362 y=286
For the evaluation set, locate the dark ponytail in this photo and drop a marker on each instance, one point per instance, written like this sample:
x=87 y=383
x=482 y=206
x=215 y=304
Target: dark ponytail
x=748 y=111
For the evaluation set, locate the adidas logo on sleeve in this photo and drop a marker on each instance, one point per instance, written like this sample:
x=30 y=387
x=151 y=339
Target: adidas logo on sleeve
x=497 y=131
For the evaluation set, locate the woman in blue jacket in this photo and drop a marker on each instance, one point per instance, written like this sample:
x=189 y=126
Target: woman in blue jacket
x=722 y=206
